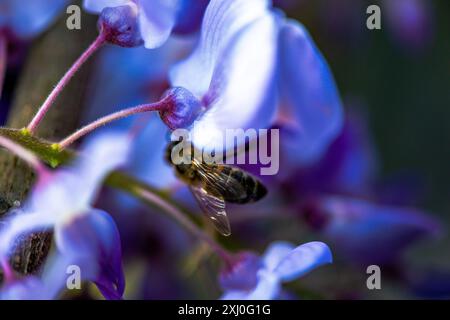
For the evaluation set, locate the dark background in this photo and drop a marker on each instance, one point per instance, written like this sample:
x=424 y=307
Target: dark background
x=403 y=91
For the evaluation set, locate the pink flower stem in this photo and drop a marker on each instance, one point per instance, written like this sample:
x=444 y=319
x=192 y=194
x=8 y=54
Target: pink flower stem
x=3 y=60
x=180 y=217
x=157 y=106
x=24 y=154
x=98 y=43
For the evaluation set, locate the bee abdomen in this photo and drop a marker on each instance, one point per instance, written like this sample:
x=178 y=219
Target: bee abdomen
x=254 y=190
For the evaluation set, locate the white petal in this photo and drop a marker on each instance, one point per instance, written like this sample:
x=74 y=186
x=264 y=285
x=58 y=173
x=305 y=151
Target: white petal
x=20 y=225
x=71 y=190
x=222 y=21
x=268 y=287
x=276 y=252
x=243 y=90
x=234 y=295
x=101 y=154
x=156 y=20
x=96 y=6
x=302 y=260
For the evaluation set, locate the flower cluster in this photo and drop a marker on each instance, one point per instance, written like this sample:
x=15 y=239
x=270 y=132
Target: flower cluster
x=343 y=202
x=84 y=236
x=259 y=278
x=131 y=23
x=252 y=68
x=211 y=66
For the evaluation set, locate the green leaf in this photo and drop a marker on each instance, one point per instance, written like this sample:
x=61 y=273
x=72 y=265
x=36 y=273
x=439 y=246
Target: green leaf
x=47 y=151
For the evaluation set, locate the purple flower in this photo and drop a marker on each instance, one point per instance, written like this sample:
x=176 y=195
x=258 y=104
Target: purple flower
x=26 y=18
x=365 y=232
x=47 y=286
x=84 y=236
x=127 y=77
x=309 y=96
x=250 y=60
x=339 y=197
x=411 y=22
x=147 y=21
x=260 y=278
x=94 y=237
x=29 y=288
x=348 y=166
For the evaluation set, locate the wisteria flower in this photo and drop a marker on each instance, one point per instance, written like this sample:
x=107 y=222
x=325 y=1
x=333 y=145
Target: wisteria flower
x=29 y=288
x=52 y=281
x=249 y=61
x=147 y=21
x=365 y=232
x=260 y=278
x=124 y=77
x=62 y=201
x=339 y=197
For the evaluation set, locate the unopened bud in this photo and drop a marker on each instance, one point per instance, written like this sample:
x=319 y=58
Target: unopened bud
x=120 y=25
x=183 y=108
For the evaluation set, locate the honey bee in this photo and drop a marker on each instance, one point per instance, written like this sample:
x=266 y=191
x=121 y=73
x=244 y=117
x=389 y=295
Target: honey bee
x=215 y=184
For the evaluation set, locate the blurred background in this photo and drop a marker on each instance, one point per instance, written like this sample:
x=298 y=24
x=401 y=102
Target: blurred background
x=398 y=77
x=394 y=81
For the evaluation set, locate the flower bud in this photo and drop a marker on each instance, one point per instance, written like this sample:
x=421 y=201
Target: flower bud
x=183 y=108
x=120 y=25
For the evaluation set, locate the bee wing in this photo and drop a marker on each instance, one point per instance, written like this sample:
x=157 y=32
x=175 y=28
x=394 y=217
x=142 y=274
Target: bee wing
x=217 y=181
x=213 y=206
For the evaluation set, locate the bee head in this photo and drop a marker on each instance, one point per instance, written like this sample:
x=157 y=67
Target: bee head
x=186 y=172
x=191 y=174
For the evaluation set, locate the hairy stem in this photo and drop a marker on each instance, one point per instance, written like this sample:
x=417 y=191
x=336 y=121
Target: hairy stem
x=110 y=118
x=49 y=56
x=98 y=42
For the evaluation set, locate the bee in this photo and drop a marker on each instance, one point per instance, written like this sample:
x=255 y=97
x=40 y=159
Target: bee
x=215 y=184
